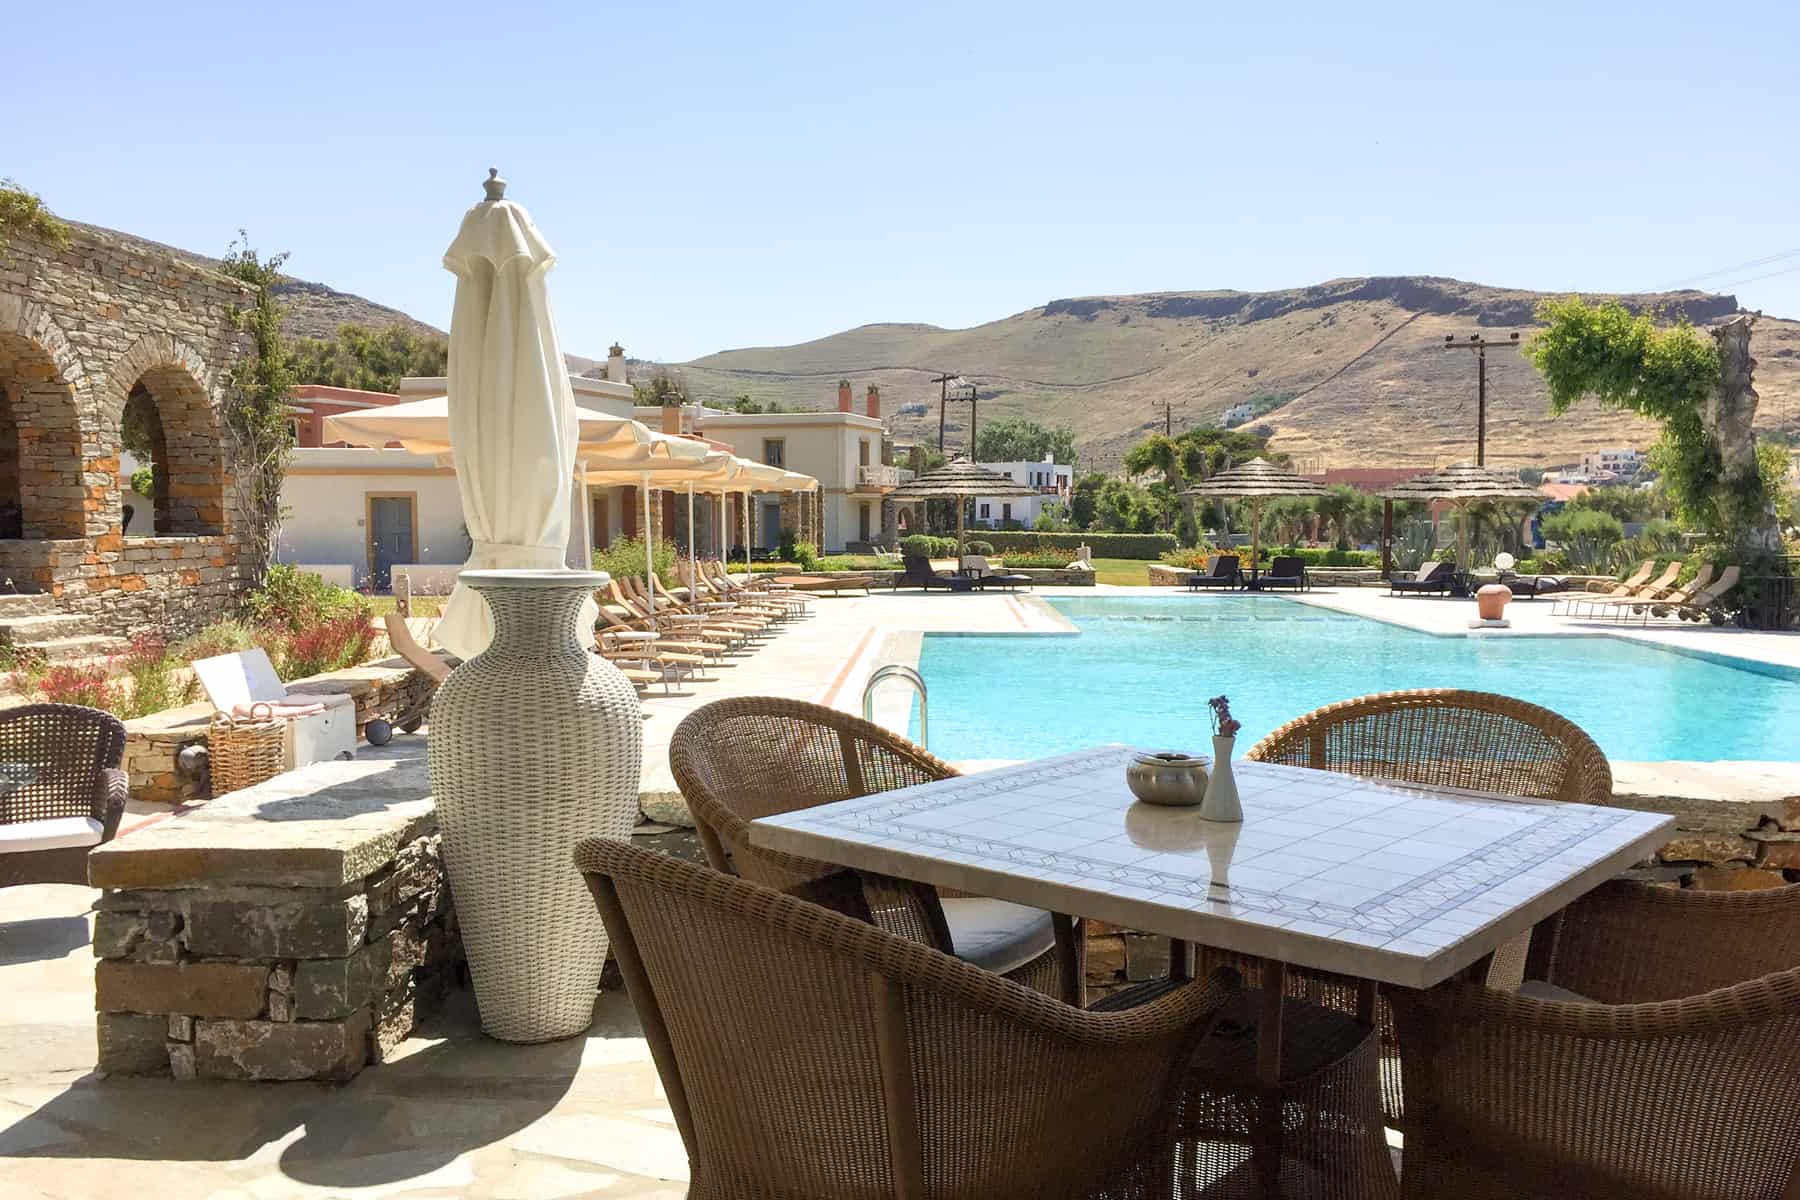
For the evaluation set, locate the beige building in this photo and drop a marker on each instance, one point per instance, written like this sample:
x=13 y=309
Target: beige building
x=845 y=450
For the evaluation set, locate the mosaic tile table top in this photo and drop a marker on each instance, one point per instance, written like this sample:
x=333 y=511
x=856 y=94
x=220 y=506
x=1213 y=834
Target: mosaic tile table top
x=1391 y=882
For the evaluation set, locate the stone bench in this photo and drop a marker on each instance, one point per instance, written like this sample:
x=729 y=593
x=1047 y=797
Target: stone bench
x=293 y=930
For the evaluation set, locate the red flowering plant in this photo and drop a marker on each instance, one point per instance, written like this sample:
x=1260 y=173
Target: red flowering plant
x=1223 y=723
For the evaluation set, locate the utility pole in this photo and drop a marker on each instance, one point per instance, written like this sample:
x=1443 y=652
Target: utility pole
x=1480 y=345
x=1168 y=418
x=943 y=382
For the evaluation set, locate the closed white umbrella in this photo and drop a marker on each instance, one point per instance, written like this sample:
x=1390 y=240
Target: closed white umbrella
x=513 y=426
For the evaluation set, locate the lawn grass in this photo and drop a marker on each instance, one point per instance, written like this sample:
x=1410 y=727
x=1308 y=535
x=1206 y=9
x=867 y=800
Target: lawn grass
x=1124 y=572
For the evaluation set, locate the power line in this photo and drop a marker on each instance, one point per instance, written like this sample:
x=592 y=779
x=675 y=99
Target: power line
x=1743 y=266
x=1757 y=278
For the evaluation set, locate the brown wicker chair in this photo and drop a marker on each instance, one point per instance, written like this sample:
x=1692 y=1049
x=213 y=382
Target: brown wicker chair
x=755 y=756
x=59 y=784
x=1438 y=737
x=1511 y=1097
x=1634 y=943
x=1445 y=737
x=806 y=1054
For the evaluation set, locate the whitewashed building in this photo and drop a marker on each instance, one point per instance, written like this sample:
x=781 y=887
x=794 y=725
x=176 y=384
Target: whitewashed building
x=1053 y=481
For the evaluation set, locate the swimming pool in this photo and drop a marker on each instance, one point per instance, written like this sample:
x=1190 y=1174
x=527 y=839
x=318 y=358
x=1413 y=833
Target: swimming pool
x=1143 y=667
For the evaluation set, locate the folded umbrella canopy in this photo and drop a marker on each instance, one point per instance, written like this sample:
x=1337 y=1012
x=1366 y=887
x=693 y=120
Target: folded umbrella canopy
x=513 y=425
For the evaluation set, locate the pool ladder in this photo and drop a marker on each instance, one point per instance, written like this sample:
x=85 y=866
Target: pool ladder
x=897 y=671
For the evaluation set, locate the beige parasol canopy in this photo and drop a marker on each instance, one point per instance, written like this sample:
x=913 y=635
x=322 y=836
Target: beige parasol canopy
x=423 y=427
x=1462 y=484
x=1257 y=481
x=958 y=480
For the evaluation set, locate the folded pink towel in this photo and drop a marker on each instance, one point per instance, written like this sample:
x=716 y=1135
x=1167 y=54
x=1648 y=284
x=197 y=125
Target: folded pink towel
x=266 y=710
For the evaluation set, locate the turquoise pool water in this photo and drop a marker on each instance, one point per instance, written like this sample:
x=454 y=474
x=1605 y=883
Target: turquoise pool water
x=1143 y=668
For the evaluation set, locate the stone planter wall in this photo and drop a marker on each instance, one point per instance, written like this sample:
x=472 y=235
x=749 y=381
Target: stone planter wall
x=296 y=930
x=383 y=689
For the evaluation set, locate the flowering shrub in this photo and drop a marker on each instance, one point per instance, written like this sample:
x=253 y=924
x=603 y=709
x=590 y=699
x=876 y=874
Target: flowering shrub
x=152 y=668
x=221 y=637
x=342 y=641
x=89 y=686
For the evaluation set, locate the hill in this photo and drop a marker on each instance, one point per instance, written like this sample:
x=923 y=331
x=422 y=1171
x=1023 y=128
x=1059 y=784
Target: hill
x=1353 y=372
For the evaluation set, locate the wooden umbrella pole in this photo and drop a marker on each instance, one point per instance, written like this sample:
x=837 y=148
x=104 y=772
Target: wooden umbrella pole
x=649 y=552
x=693 y=563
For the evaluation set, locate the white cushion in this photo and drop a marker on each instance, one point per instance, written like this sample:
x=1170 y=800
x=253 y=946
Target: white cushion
x=997 y=935
x=51 y=833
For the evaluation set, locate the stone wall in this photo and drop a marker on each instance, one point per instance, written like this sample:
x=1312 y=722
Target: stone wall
x=388 y=689
x=84 y=331
x=296 y=930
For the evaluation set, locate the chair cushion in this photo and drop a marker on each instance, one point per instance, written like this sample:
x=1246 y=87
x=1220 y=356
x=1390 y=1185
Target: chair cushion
x=1538 y=989
x=997 y=935
x=50 y=833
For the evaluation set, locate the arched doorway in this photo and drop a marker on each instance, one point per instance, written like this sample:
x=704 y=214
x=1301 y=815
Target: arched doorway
x=167 y=426
x=40 y=445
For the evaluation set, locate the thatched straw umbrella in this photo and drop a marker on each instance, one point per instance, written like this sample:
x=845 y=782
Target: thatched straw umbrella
x=958 y=480
x=1463 y=484
x=1257 y=481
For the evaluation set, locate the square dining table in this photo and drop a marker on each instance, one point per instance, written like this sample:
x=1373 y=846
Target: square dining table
x=1389 y=883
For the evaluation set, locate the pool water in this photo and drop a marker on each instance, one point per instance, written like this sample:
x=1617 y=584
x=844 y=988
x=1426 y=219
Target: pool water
x=1143 y=667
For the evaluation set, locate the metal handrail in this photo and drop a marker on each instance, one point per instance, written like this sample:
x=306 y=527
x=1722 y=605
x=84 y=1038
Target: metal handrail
x=898 y=671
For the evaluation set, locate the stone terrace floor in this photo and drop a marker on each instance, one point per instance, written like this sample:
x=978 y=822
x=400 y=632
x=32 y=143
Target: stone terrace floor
x=454 y=1115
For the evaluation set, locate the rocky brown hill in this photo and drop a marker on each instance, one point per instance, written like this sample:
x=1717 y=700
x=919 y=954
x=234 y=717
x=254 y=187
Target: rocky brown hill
x=1359 y=366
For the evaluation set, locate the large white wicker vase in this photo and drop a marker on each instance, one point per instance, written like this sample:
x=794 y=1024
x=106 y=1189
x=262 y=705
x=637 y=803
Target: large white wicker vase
x=535 y=744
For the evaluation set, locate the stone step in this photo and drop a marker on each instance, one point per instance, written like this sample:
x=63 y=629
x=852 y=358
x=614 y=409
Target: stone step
x=37 y=630
x=91 y=647
x=30 y=604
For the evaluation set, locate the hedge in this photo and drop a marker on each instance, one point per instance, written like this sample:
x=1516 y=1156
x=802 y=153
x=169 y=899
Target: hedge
x=1146 y=546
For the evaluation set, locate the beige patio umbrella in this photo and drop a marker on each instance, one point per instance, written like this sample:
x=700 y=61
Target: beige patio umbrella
x=665 y=460
x=512 y=420
x=423 y=427
x=1463 y=484
x=1257 y=481
x=959 y=479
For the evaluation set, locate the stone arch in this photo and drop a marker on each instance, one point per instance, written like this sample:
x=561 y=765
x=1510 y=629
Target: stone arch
x=167 y=390
x=41 y=487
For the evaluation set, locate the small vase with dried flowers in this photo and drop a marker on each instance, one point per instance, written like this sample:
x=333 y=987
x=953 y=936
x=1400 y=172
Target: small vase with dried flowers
x=1221 y=803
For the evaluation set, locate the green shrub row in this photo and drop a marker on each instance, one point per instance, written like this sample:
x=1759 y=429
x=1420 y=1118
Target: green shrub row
x=924 y=545
x=1144 y=546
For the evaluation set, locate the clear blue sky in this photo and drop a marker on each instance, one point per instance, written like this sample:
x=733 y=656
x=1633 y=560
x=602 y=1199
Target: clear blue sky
x=719 y=175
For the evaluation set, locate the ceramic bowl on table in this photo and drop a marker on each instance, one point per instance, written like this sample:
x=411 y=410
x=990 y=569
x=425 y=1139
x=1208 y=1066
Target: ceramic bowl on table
x=1168 y=778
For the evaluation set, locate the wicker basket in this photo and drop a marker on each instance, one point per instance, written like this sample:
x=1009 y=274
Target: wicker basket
x=244 y=751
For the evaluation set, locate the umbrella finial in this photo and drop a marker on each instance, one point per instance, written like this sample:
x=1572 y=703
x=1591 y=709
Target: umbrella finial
x=493 y=185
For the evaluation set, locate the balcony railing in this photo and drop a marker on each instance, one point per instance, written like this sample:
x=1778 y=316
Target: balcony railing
x=877 y=475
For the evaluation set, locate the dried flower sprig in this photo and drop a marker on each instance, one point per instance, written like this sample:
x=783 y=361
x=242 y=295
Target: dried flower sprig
x=1223 y=723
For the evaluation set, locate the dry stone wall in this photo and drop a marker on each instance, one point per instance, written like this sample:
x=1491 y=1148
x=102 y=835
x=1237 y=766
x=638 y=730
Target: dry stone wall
x=85 y=330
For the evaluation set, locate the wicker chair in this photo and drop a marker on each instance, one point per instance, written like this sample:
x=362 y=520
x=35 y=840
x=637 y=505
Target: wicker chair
x=1445 y=737
x=1634 y=943
x=1439 y=737
x=754 y=756
x=1512 y=1097
x=61 y=790
x=807 y=1054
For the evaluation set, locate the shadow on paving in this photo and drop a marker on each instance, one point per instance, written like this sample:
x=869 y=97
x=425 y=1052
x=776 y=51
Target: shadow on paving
x=41 y=938
x=402 y=1119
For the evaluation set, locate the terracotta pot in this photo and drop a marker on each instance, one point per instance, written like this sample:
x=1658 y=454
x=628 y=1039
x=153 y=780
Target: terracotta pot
x=1491 y=600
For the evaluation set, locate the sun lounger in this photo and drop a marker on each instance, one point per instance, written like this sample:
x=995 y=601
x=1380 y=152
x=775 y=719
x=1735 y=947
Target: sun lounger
x=1701 y=603
x=1529 y=587
x=834 y=583
x=1660 y=588
x=1287 y=571
x=918 y=573
x=1225 y=573
x=975 y=566
x=1596 y=589
x=1435 y=576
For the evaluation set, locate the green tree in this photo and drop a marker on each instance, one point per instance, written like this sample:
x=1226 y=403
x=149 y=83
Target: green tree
x=371 y=359
x=1017 y=439
x=1622 y=503
x=1336 y=508
x=1084 y=499
x=260 y=387
x=663 y=388
x=21 y=211
x=1699 y=390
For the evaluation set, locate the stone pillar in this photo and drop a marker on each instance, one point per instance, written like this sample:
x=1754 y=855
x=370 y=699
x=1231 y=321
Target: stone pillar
x=889 y=532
